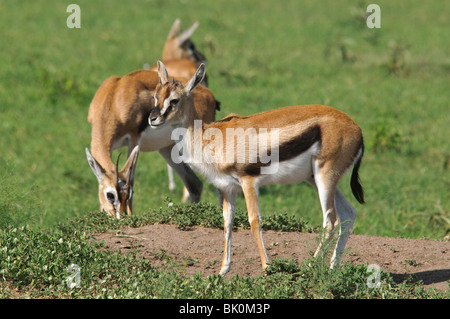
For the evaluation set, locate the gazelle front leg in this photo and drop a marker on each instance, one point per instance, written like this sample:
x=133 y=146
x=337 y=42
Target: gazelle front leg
x=254 y=217
x=229 y=204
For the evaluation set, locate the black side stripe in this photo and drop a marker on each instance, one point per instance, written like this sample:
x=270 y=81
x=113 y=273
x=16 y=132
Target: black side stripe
x=289 y=150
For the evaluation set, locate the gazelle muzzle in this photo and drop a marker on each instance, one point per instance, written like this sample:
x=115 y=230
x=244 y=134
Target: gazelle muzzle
x=155 y=118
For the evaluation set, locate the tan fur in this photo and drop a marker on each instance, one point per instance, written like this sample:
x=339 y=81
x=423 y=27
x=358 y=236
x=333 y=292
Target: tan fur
x=317 y=144
x=178 y=45
x=182 y=68
x=292 y=121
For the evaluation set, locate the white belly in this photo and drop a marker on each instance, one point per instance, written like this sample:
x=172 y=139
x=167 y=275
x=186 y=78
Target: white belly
x=225 y=182
x=295 y=170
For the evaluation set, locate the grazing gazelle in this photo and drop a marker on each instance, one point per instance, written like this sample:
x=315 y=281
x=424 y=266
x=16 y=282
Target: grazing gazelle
x=312 y=143
x=119 y=117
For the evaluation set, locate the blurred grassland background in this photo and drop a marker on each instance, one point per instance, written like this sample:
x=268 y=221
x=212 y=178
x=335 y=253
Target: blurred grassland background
x=393 y=81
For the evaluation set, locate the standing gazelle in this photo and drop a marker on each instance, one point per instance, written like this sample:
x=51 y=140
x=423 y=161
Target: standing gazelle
x=312 y=143
x=119 y=117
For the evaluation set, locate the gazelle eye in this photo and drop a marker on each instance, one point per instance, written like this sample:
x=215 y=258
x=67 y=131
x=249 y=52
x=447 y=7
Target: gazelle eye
x=174 y=102
x=110 y=197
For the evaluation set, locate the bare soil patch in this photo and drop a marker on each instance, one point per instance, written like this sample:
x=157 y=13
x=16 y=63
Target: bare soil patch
x=199 y=250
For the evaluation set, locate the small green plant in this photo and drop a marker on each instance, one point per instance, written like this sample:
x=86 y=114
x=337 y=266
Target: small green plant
x=340 y=49
x=410 y=262
x=162 y=255
x=281 y=265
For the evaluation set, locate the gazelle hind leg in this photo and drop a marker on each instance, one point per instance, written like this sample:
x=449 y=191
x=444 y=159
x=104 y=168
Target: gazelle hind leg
x=346 y=217
x=326 y=193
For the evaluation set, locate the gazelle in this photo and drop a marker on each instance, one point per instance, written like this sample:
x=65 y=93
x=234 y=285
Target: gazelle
x=119 y=117
x=312 y=143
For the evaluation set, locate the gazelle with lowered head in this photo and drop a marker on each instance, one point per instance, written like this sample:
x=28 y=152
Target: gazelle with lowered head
x=119 y=117
x=312 y=143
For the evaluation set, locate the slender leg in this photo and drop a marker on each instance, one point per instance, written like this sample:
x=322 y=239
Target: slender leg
x=190 y=180
x=254 y=217
x=185 y=197
x=172 y=184
x=229 y=202
x=326 y=197
x=220 y=197
x=346 y=217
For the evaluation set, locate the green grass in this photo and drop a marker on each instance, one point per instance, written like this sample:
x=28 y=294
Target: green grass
x=34 y=264
x=392 y=81
x=389 y=80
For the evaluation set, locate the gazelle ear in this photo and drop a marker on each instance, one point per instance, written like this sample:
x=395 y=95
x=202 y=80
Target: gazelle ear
x=98 y=170
x=196 y=79
x=174 y=30
x=187 y=33
x=130 y=165
x=162 y=73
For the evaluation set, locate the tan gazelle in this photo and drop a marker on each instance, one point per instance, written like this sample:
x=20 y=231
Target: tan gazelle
x=312 y=143
x=119 y=117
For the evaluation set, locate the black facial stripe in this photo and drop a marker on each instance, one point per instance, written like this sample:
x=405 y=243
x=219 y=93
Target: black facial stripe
x=168 y=110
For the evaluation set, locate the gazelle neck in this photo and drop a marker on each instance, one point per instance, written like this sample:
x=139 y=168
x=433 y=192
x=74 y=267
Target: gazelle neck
x=190 y=114
x=102 y=153
x=193 y=126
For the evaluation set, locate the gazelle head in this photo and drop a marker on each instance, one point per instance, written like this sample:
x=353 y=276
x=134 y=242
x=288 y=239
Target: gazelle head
x=181 y=46
x=115 y=187
x=171 y=97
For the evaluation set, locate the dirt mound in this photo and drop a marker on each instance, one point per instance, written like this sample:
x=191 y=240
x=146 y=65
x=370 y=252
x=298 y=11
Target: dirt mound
x=200 y=249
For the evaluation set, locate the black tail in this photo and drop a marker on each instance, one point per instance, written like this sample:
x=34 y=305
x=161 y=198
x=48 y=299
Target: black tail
x=217 y=105
x=355 y=182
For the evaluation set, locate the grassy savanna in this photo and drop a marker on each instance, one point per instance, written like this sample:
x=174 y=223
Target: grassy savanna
x=392 y=81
